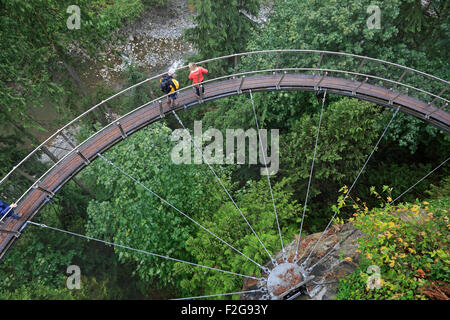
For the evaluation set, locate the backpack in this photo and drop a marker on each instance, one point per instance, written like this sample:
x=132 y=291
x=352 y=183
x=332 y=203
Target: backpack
x=166 y=81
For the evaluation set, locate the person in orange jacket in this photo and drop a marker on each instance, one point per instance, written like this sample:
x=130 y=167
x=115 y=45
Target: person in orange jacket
x=196 y=75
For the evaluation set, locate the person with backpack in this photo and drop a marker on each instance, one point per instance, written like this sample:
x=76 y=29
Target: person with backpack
x=169 y=86
x=4 y=208
x=196 y=75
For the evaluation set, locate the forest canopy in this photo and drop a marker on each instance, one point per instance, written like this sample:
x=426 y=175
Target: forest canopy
x=40 y=67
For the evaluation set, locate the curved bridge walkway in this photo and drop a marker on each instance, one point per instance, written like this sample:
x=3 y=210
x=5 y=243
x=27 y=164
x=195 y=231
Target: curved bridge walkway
x=266 y=80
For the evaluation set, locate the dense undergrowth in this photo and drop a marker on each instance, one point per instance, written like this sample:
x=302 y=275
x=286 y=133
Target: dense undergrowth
x=405 y=251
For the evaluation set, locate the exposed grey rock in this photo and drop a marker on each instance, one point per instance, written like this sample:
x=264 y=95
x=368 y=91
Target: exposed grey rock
x=334 y=257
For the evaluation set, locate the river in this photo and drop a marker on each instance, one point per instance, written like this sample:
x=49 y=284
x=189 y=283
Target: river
x=153 y=43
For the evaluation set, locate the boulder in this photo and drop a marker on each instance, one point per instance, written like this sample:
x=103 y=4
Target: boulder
x=329 y=260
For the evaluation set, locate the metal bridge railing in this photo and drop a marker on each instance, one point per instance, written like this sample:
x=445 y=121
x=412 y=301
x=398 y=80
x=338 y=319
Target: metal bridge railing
x=28 y=173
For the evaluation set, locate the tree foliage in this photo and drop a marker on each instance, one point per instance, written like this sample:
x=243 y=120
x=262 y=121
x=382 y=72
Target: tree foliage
x=41 y=59
x=342 y=26
x=256 y=203
x=130 y=215
x=221 y=26
x=39 y=67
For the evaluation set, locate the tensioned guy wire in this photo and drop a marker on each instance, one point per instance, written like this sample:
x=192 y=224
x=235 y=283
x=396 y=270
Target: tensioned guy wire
x=310 y=175
x=225 y=189
x=138 y=250
x=336 y=246
x=370 y=156
x=175 y=208
x=267 y=173
x=420 y=180
x=354 y=182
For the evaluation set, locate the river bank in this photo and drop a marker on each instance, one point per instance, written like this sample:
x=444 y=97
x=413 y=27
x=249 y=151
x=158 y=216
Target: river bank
x=153 y=43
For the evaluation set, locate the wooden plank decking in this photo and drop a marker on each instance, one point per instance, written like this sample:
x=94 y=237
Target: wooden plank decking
x=109 y=136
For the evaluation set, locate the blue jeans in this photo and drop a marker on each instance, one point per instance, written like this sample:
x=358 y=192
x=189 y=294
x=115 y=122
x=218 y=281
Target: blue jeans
x=13 y=215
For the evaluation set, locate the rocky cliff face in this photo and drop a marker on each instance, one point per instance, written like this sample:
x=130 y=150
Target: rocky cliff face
x=334 y=257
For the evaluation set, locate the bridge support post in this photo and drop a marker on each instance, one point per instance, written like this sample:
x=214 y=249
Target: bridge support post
x=25 y=175
x=359 y=86
x=161 y=109
x=278 y=61
x=316 y=87
x=401 y=77
x=320 y=61
x=15 y=233
x=122 y=132
x=152 y=94
x=55 y=160
x=359 y=69
x=67 y=139
x=38 y=187
x=86 y=160
x=439 y=95
x=242 y=83
x=49 y=154
x=427 y=116
x=391 y=101
x=279 y=81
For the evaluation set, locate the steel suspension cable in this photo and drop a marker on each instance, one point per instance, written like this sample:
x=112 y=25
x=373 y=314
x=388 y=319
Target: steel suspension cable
x=176 y=209
x=267 y=173
x=336 y=246
x=368 y=158
x=138 y=250
x=310 y=269
x=226 y=190
x=424 y=177
x=354 y=182
x=310 y=175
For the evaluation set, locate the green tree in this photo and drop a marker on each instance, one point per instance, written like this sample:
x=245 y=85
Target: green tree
x=341 y=26
x=42 y=256
x=128 y=214
x=222 y=27
x=255 y=201
x=39 y=64
x=348 y=133
x=408 y=243
x=424 y=25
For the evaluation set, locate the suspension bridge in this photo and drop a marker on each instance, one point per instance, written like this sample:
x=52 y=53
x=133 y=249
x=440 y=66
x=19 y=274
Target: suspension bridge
x=387 y=84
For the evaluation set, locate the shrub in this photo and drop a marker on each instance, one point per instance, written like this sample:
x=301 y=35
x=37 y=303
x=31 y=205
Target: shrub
x=409 y=245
